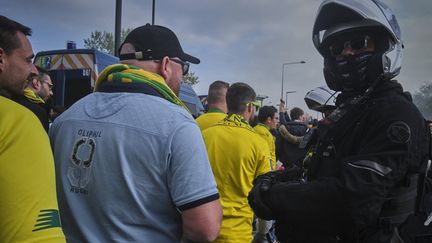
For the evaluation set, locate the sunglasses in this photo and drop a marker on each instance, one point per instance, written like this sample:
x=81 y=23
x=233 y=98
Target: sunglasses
x=356 y=44
x=185 y=65
x=50 y=86
x=254 y=103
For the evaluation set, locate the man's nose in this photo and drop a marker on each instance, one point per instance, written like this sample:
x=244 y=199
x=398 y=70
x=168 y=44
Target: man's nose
x=33 y=69
x=347 y=51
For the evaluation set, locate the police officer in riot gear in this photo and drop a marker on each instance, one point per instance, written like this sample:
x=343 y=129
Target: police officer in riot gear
x=362 y=180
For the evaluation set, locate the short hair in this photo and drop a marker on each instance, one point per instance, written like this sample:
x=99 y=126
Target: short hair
x=266 y=112
x=42 y=70
x=237 y=97
x=296 y=113
x=216 y=93
x=41 y=73
x=8 y=29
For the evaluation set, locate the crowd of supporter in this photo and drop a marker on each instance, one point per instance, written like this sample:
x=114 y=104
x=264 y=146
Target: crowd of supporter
x=129 y=163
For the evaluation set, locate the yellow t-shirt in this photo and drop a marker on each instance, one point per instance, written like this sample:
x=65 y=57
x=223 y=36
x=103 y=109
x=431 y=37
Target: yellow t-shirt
x=237 y=156
x=28 y=201
x=210 y=118
x=264 y=132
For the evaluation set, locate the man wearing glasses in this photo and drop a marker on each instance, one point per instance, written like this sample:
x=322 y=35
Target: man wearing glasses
x=36 y=94
x=362 y=181
x=131 y=162
x=45 y=91
x=237 y=156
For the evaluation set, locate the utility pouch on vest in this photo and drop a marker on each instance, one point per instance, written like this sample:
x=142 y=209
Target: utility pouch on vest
x=418 y=227
x=400 y=203
x=425 y=188
x=309 y=138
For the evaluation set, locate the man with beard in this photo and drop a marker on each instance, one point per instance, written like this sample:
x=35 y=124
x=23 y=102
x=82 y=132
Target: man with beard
x=362 y=180
x=237 y=155
x=36 y=94
x=28 y=202
x=131 y=162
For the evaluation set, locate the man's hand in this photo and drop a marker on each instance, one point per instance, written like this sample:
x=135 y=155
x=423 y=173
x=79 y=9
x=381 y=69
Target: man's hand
x=282 y=106
x=257 y=196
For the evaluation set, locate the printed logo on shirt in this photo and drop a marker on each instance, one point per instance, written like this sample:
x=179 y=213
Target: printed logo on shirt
x=47 y=218
x=81 y=161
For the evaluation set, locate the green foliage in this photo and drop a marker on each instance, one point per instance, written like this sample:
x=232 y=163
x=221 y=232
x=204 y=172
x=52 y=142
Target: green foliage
x=104 y=41
x=423 y=99
x=190 y=79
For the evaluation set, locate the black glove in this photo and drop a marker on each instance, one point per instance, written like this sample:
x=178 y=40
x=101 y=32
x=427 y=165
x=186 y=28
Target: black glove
x=257 y=196
x=259 y=193
x=293 y=173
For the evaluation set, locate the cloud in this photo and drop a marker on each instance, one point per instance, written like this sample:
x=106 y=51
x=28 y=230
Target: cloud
x=241 y=40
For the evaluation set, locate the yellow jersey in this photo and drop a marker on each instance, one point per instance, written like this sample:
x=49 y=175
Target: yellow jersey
x=237 y=156
x=265 y=133
x=28 y=201
x=210 y=118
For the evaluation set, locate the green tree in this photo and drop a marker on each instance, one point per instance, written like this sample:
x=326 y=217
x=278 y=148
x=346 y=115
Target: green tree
x=104 y=41
x=423 y=99
x=190 y=79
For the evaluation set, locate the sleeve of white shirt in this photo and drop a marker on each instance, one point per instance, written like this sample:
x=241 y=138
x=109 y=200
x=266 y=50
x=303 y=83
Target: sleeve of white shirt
x=190 y=178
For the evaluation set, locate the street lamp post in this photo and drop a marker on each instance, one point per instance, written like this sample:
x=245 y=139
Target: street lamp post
x=286 y=98
x=283 y=68
x=117 y=30
x=261 y=98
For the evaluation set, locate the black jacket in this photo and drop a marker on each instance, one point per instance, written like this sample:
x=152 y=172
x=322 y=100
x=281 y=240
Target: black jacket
x=368 y=152
x=287 y=153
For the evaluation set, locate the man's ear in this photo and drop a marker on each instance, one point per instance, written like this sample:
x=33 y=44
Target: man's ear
x=2 y=58
x=249 y=108
x=268 y=120
x=164 y=69
x=36 y=83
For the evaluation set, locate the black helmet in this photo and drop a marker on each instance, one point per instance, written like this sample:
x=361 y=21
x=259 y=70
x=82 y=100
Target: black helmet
x=337 y=17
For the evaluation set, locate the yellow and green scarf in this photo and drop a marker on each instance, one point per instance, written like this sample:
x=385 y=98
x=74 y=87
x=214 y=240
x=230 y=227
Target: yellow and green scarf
x=235 y=120
x=124 y=73
x=32 y=96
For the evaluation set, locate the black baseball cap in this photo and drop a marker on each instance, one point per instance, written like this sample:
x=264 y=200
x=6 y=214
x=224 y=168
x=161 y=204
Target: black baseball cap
x=153 y=42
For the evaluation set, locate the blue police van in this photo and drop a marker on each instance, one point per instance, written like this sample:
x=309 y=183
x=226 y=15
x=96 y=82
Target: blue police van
x=75 y=71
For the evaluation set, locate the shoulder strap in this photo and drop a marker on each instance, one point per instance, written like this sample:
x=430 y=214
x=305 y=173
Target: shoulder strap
x=428 y=170
x=424 y=170
x=428 y=167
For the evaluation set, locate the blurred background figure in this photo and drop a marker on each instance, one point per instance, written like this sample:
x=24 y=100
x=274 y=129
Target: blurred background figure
x=217 y=107
x=287 y=153
x=36 y=94
x=237 y=156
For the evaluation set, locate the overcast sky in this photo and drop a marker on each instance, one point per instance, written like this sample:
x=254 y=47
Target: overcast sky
x=236 y=40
